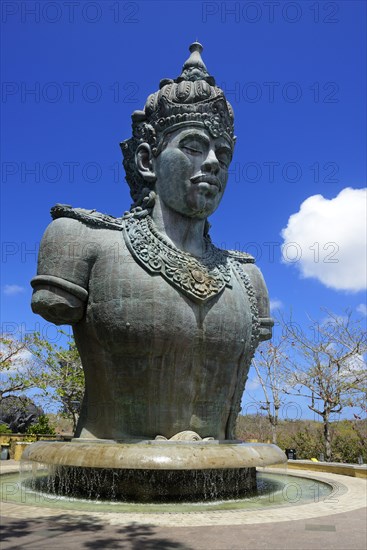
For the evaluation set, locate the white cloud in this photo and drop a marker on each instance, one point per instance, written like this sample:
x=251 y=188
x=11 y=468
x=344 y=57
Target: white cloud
x=353 y=365
x=332 y=320
x=253 y=384
x=275 y=304
x=362 y=309
x=13 y=290
x=18 y=361
x=326 y=240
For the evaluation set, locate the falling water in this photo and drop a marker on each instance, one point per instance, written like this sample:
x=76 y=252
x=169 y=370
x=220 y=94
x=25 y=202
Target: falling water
x=131 y=485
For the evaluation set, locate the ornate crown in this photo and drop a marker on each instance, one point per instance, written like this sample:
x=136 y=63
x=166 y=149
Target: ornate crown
x=192 y=98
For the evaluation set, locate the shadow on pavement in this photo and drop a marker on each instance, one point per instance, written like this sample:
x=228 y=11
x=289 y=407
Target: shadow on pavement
x=67 y=531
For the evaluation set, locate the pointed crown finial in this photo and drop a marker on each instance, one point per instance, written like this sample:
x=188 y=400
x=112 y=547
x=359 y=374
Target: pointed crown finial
x=194 y=67
x=196 y=47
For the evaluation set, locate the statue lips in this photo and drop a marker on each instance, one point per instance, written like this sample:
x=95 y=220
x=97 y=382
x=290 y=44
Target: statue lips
x=207 y=178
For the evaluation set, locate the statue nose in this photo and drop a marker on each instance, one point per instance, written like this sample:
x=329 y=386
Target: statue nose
x=211 y=163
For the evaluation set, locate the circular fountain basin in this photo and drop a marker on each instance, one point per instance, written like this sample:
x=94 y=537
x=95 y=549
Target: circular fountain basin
x=155 y=455
x=153 y=471
x=273 y=490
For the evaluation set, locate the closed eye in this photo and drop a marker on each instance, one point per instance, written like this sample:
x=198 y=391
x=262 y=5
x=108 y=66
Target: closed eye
x=224 y=155
x=194 y=146
x=224 y=160
x=192 y=150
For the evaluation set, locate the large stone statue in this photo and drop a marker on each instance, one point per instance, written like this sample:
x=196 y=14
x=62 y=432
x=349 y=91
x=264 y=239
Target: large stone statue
x=165 y=322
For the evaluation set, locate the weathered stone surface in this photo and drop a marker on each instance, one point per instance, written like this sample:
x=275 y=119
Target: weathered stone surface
x=19 y=413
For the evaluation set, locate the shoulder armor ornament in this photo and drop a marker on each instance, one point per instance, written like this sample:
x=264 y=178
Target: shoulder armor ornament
x=242 y=257
x=89 y=217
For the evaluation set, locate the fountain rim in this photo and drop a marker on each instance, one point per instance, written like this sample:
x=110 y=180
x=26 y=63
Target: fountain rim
x=155 y=455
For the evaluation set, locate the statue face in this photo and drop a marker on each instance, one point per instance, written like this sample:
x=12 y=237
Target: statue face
x=192 y=171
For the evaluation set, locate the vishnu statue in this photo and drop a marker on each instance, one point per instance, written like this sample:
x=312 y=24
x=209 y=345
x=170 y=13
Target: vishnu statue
x=165 y=322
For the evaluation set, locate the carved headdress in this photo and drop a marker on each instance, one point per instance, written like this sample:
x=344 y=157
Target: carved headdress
x=191 y=99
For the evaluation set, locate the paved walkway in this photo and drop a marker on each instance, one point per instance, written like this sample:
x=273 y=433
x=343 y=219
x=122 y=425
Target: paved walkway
x=338 y=523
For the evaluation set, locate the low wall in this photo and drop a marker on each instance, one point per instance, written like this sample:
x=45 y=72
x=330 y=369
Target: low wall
x=353 y=470
x=15 y=450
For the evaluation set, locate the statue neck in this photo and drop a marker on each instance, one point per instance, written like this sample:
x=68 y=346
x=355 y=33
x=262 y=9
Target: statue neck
x=185 y=233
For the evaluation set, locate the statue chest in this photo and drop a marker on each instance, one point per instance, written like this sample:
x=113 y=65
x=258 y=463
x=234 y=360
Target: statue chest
x=135 y=312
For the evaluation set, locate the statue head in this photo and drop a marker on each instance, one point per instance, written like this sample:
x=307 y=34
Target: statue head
x=191 y=102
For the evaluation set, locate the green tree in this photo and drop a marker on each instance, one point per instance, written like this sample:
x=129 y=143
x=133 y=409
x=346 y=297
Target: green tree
x=62 y=381
x=56 y=371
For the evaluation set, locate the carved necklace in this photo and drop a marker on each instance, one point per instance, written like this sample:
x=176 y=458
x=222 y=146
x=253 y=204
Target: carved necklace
x=199 y=279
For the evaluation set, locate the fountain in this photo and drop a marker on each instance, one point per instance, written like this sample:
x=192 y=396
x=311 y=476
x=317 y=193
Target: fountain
x=165 y=322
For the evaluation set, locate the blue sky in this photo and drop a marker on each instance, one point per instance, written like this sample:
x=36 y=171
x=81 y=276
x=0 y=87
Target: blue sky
x=294 y=73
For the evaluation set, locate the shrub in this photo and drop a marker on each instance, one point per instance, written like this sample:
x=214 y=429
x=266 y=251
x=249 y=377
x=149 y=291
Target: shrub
x=348 y=444
x=4 y=429
x=307 y=440
x=42 y=426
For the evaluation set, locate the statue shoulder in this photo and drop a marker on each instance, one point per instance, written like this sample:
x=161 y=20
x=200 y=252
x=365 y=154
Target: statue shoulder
x=91 y=218
x=241 y=257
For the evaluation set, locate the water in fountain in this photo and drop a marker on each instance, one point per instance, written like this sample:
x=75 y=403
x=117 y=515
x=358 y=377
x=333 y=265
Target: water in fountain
x=35 y=488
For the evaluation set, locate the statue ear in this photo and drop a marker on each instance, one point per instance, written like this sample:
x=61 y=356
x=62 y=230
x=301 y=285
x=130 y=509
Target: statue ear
x=143 y=159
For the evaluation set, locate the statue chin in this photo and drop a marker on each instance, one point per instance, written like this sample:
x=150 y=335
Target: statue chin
x=206 y=203
x=201 y=204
